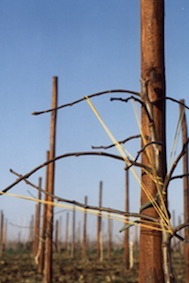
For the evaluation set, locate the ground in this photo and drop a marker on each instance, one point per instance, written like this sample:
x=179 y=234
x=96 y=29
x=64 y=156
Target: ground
x=19 y=267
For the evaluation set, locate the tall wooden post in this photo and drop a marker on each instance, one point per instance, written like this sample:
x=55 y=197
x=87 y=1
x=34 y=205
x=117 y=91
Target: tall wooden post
x=84 y=244
x=126 y=235
x=153 y=88
x=51 y=178
x=185 y=188
x=99 y=227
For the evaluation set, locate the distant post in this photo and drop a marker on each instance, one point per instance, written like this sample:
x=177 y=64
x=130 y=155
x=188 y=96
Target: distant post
x=126 y=235
x=99 y=227
x=84 y=244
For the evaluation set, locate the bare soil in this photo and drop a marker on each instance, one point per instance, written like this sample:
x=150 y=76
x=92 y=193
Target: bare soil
x=20 y=268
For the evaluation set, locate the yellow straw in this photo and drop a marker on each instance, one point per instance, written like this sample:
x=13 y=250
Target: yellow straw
x=125 y=158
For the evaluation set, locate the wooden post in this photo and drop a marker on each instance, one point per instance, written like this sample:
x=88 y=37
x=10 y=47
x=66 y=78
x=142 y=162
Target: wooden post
x=99 y=227
x=180 y=243
x=1 y=233
x=60 y=232
x=185 y=187
x=173 y=225
x=126 y=235
x=56 y=235
x=73 y=233
x=67 y=233
x=31 y=232
x=51 y=177
x=78 y=240
x=109 y=237
x=84 y=244
x=37 y=220
x=152 y=89
x=44 y=224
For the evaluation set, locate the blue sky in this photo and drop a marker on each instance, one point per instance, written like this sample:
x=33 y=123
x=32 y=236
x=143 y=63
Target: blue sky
x=91 y=46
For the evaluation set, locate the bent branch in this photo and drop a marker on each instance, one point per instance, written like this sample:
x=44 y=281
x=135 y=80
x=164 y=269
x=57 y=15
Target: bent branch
x=84 y=98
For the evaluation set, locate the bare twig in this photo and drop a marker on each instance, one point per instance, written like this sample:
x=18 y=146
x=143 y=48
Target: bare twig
x=140 y=151
x=89 y=96
x=177 y=229
x=169 y=176
x=179 y=176
x=120 y=142
x=145 y=146
x=136 y=99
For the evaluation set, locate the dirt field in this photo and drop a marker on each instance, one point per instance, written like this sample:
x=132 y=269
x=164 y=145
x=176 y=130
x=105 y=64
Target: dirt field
x=20 y=268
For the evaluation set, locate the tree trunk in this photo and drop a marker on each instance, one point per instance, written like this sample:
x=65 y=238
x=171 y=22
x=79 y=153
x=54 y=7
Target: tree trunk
x=153 y=88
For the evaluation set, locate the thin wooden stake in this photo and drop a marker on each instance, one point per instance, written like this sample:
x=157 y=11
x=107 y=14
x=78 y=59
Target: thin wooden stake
x=57 y=235
x=51 y=178
x=1 y=233
x=99 y=227
x=37 y=221
x=73 y=234
x=185 y=187
x=84 y=244
x=110 y=223
x=67 y=233
x=41 y=255
x=126 y=235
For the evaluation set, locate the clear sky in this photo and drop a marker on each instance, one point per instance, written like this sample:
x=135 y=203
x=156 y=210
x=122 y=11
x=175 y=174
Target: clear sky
x=91 y=46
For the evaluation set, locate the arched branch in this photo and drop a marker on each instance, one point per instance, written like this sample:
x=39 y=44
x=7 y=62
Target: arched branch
x=89 y=96
x=76 y=154
x=171 y=99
